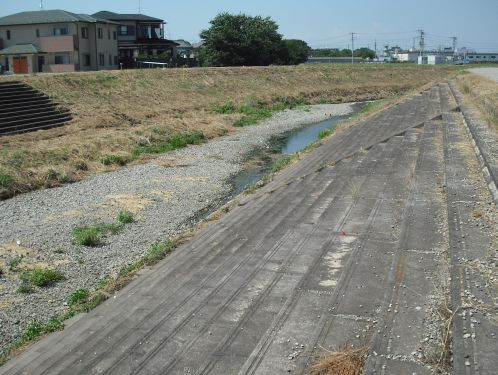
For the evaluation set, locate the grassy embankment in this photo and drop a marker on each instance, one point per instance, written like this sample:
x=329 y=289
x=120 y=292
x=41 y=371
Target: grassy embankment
x=124 y=116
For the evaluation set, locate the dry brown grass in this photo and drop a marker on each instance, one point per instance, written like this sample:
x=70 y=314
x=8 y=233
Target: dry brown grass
x=113 y=111
x=348 y=361
x=483 y=93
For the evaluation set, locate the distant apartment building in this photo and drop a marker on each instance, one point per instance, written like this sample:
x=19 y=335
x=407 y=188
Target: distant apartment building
x=55 y=41
x=139 y=37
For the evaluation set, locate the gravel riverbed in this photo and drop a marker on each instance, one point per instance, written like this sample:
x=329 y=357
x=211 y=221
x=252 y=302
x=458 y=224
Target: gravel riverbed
x=164 y=195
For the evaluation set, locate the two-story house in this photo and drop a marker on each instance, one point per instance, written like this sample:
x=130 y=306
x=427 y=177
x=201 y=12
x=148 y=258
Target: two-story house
x=57 y=41
x=139 y=36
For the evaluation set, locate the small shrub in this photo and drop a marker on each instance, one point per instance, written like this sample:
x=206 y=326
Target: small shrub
x=86 y=235
x=114 y=159
x=43 y=277
x=78 y=296
x=126 y=217
x=5 y=180
x=59 y=250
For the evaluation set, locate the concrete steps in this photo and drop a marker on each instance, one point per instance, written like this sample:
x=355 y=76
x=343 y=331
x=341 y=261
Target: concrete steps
x=24 y=109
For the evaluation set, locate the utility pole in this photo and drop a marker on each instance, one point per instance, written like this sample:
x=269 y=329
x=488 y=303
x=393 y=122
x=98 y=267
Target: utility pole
x=454 y=45
x=422 y=42
x=139 y=6
x=375 y=48
x=41 y=4
x=352 y=48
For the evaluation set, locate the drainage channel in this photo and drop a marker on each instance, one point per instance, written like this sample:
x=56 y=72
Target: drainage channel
x=260 y=162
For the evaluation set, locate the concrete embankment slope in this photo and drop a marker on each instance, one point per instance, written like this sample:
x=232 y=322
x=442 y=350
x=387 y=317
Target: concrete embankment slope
x=382 y=237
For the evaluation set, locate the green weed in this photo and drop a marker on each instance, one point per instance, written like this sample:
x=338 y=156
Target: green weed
x=58 y=156
x=86 y=235
x=174 y=142
x=5 y=180
x=78 y=296
x=14 y=263
x=126 y=217
x=281 y=163
x=36 y=329
x=114 y=159
x=225 y=108
x=325 y=133
x=25 y=287
x=90 y=235
x=42 y=277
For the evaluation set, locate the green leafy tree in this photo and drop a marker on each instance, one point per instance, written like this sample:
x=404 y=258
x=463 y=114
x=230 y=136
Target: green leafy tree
x=236 y=40
x=366 y=53
x=297 y=51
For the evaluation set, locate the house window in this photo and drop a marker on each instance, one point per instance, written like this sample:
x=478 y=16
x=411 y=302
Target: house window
x=108 y=34
x=126 y=30
x=87 y=59
x=84 y=32
x=115 y=60
x=114 y=35
x=60 y=31
x=101 y=59
x=110 y=60
x=100 y=33
x=37 y=33
x=8 y=34
x=62 y=59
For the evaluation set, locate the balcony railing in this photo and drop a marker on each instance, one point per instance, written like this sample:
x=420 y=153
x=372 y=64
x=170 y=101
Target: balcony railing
x=150 y=32
x=61 y=43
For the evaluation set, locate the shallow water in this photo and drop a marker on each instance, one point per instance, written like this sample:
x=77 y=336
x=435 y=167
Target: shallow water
x=289 y=143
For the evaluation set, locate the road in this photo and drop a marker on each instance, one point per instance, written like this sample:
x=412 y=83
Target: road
x=486 y=72
x=383 y=237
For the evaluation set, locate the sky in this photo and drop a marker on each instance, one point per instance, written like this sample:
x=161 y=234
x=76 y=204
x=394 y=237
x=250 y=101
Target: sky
x=321 y=23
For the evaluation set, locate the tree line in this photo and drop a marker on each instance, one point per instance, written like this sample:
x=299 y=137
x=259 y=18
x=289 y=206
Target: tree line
x=242 y=40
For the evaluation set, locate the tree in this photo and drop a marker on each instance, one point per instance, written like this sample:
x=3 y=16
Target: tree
x=236 y=40
x=366 y=53
x=297 y=51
